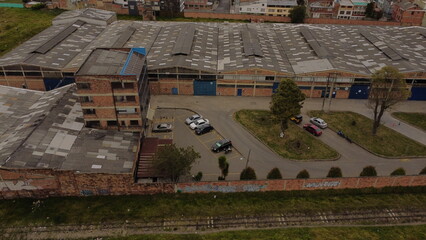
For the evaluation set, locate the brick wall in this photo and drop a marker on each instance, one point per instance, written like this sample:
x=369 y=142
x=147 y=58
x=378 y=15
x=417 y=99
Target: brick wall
x=286 y=19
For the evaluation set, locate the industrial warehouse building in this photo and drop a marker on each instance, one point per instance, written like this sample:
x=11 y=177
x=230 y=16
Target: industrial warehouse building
x=236 y=59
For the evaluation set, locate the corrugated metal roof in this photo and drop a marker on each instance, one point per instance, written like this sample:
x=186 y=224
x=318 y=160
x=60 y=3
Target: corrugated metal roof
x=124 y=37
x=184 y=41
x=251 y=42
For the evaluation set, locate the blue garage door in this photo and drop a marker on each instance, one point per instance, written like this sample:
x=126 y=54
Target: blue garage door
x=204 y=88
x=275 y=86
x=418 y=93
x=359 y=91
x=52 y=83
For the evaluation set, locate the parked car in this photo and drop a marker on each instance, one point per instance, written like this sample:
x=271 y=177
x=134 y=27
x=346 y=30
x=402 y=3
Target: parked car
x=163 y=127
x=297 y=119
x=203 y=129
x=222 y=145
x=192 y=118
x=312 y=129
x=195 y=124
x=318 y=122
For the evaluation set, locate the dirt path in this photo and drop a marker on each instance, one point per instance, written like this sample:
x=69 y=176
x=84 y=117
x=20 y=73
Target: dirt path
x=215 y=224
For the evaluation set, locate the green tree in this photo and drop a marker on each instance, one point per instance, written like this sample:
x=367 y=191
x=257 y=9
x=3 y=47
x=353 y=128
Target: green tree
x=248 y=174
x=387 y=89
x=198 y=177
x=368 y=171
x=369 y=11
x=274 y=174
x=298 y=14
x=335 y=172
x=398 y=172
x=423 y=171
x=303 y=174
x=173 y=162
x=286 y=102
x=224 y=167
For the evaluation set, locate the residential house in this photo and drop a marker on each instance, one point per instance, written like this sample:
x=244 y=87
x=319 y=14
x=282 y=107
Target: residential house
x=280 y=8
x=407 y=13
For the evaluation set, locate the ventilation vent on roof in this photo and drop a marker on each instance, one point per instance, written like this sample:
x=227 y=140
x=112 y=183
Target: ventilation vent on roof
x=59 y=37
x=184 y=41
x=124 y=37
x=315 y=45
x=251 y=42
x=382 y=46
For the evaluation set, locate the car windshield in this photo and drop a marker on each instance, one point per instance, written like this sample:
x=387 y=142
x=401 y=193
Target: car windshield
x=162 y=125
x=218 y=144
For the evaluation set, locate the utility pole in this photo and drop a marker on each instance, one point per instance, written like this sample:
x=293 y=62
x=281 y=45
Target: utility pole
x=248 y=158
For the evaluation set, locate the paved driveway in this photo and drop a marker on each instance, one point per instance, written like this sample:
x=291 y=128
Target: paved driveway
x=220 y=110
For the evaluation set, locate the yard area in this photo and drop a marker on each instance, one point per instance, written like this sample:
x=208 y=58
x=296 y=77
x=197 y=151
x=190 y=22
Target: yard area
x=387 y=142
x=317 y=233
x=117 y=209
x=297 y=145
x=17 y=25
x=415 y=119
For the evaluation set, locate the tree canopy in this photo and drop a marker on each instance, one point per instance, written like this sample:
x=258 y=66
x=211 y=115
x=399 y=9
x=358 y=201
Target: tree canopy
x=248 y=174
x=387 y=89
x=173 y=162
x=274 y=174
x=286 y=102
x=298 y=14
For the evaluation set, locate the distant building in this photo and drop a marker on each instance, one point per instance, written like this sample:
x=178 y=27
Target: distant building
x=407 y=13
x=321 y=9
x=346 y=8
x=113 y=89
x=359 y=9
x=199 y=4
x=254 y=7
x=280 y=8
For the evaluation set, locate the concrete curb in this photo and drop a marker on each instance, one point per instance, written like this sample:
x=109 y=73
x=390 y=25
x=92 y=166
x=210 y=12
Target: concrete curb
x=294 y=160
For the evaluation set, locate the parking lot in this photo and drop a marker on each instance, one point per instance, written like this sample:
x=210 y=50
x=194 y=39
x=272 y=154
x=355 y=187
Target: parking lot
x=184 y=136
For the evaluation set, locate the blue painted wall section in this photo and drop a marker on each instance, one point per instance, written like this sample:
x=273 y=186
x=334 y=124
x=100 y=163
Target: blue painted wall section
x=129 y=57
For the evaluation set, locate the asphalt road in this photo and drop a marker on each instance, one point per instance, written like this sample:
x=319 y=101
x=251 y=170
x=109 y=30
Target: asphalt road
x=219 y=110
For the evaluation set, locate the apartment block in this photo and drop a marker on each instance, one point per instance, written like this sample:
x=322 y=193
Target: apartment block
x=254 y=7
x=113 y=89
x=407 y=13
x=345 y=11
x=280 y=8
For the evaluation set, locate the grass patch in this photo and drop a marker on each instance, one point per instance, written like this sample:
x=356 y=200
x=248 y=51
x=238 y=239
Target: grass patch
x=317 y=233
x=416 y=119
x=129 y=17
x=298 y=144
x=18 y=25
x=117 y=209
x=387 y=142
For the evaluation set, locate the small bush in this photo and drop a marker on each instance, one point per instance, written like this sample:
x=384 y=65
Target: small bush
x=222 y=162
x=224 y=167
x=303 y=174
x=335 y=172
x=423 y=171
x=248 y=174
x=198 y=177
x=38 y=6
x=398 y=172
x=353 y=123
x=368 y=171
x=274 y=174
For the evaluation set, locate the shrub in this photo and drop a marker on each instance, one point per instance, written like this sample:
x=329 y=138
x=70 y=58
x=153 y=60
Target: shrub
x=38 y=6
x=248 y=174
x=198 y=177
x=303 y=174
x=368 y=171
x=423 y=171
x=224 y=167
x=222 y=162
x=398 y=172
x=334 y=172
x=274 y=174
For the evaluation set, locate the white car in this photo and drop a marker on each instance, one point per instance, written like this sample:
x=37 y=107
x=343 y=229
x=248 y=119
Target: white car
x=192 y=118
x=195 y=124
x=318 y=122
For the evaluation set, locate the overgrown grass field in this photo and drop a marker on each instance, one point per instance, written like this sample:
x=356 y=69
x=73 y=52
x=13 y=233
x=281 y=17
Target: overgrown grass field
x=298 y=143
x=387 y=142
x=416 y=119
x=117 y=209
x=18 y=25
x=329 y=233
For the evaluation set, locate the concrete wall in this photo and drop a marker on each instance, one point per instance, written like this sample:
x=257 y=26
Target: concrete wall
x=41 y=183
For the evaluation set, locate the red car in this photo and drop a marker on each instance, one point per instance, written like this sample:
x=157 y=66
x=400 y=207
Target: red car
x=312 y=129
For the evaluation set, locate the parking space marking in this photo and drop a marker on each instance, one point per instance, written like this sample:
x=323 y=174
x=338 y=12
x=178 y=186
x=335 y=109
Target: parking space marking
x=212 y=139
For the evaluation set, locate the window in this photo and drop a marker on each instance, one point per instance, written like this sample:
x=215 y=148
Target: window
x=112 y=123
x=342 y=12
x=83 y=85
x=348 y=12
x=33 y=74
x=125 y=98
x=128 y=85
x=116 y=85
x=86 y=99
x=270 y=78
x=134 y=123
x=126 y=110
x=271 y=10
x=93 y=124
x=89 y=111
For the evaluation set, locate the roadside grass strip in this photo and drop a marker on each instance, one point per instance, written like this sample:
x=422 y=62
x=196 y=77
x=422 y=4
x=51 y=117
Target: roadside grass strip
x=415 y=119
x=387 y=142
x=298 y=144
